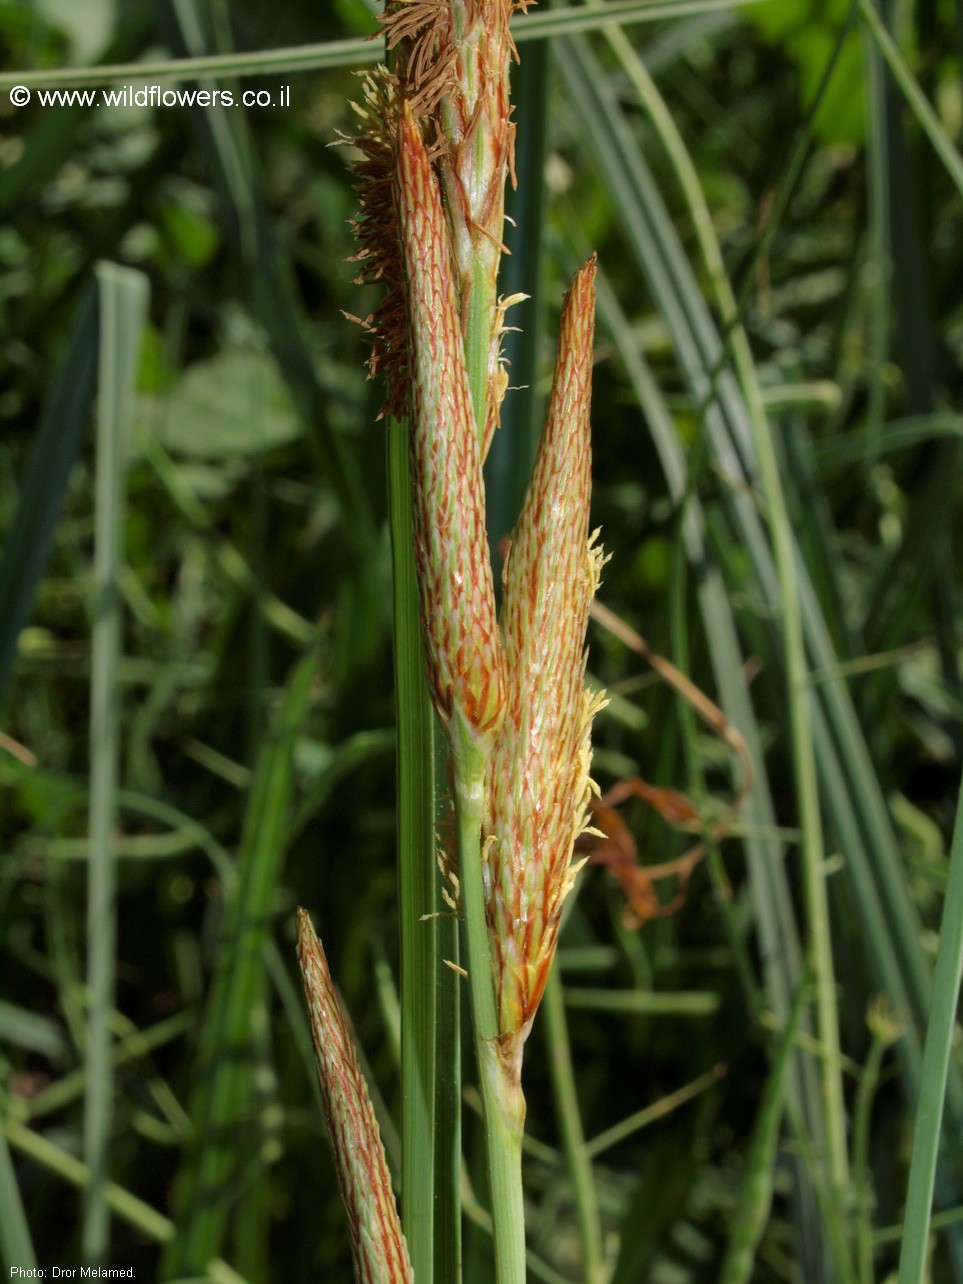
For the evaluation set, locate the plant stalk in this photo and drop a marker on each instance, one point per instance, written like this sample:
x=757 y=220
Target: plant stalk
x=123 y=301
x=499 y=1076
x=573 y=1138
x=478 y=330
x=937 y=1056
x=417 y=878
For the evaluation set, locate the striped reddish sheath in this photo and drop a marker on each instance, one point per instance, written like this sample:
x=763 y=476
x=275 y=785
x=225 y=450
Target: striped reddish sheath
x=377 y=1242
x=465 y=663
x=538 y=776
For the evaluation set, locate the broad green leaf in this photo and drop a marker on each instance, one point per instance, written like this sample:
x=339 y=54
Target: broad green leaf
x=230 y=407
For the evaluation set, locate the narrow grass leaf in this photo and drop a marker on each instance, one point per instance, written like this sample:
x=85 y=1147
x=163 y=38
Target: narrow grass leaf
x=878 y=247
x=909 y=87
x=448 y=1130
x=204 y=1191
x=748 y=1221
x=131 y=1046
x=417 y=876
x=352 y=53
x=139 y=1215
x=227 y=144
x=55 y=447
x=69 y=1168
x=792 y=642
x=899 y=434
x=16 y=1244
x=937 y=1052
x=31 y=1031
x=680 y=1003
x=857 y=808
x=649 y=1115
x=573 y=1135
x=885 y=1030
x=123 y=306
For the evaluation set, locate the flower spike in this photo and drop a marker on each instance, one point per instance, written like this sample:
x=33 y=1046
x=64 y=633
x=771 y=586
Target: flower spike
x=465 y=663
x=377 y=1242
x=538 y=779
x=451 y=59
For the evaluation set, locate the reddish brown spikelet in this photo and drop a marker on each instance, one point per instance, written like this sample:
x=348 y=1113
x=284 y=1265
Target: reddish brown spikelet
x=377 y=1242
x=451 y=58
x=538 y=781
x=465 y=662
x=376 y=230
x=420 y=35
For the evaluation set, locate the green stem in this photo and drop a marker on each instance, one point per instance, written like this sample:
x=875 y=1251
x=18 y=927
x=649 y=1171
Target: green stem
x=937 y=1054
x=573 y=1138
x=878 y=256
x=150 y=1223
x=862 y=1177
x=499 y=1075
x=134 y=1211
x=751 y=1214
x=417 y=876
x=478 y=331
x=909 y=87
x=16 y=1244
x=123 y=298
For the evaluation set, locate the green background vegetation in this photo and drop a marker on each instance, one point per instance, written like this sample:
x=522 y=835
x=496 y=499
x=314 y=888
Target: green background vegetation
x=780 y=337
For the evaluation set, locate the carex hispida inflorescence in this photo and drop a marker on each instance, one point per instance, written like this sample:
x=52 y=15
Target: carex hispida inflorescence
x=435 y=150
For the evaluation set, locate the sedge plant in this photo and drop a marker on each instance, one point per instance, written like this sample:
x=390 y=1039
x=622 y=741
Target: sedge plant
x=510 y=693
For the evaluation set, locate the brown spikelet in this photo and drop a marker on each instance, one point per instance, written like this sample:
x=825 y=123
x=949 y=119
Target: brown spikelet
x=420 y=35
x=377 y=1242
x=376 y=230
x=465 y=663
x=451 y=58
x=449 y=65
x=538 y=779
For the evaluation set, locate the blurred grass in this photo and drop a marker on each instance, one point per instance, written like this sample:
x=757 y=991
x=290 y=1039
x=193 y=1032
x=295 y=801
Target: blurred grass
x=927 y=1131
x=226 y=1069
x=763 y=252
x=44 y=483
x=122 y=312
